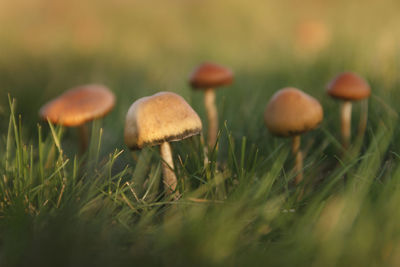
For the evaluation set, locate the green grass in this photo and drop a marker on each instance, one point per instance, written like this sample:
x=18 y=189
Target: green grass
x=107 y=207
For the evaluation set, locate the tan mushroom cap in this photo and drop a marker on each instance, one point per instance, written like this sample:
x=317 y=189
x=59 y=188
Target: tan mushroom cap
x=291 y=112
x=79 y=105
x=349 y=86
x=163 y=117
x=210 y=75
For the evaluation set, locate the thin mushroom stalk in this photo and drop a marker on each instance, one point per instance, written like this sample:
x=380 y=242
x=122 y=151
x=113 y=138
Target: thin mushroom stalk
x=363 y=118
x=212 y=115
x=170 y=181
x=346 y=123
x=83 y=138
x=298 y=154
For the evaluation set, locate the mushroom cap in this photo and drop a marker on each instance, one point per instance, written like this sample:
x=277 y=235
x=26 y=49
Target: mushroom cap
x=349 y=86
x=79 y=105
x=292 y=112
x=163 y=117
x=210 y=75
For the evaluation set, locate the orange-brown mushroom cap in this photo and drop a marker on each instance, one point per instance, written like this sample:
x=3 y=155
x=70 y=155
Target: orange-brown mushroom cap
x=210 y=75
x=349 y=86
x=291 y=112
x=79 y=105
x=163 y=117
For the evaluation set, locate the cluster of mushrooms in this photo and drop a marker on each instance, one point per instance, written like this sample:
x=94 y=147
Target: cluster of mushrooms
x=166 y=117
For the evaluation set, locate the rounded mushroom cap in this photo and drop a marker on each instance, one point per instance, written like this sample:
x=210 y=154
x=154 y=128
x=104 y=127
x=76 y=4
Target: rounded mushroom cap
x=163 y=117
x=79 y=105
x=349 y=86
x=291 y=112
x=210 y=75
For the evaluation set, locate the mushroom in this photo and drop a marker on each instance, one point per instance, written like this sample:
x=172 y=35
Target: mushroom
x=77 y=106
x=289 y=113
x=158 y=120
x=349 y=87
x=208 y=76
x=311 y=35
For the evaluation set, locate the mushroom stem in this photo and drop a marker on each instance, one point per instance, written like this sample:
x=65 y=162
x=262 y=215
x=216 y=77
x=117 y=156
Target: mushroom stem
x=298 y=167
x=169 y=178
x=346 y=123
x=363 y=118
x=209 y=101
x=83 y=138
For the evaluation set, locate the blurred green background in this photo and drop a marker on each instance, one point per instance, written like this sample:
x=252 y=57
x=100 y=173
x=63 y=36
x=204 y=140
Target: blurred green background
x=140 y=47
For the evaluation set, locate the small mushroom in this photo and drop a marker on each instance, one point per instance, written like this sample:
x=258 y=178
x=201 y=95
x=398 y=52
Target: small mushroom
x=349 y=87
x=311 y=35
x=77 y=106
x=158 y=120
x=289 y=113
x=208 y=77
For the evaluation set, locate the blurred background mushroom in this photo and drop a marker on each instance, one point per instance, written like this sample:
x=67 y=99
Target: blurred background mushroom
x=311 y=36
x=77 y=106
x=290 y=113
x=350 y=87
x=207 y=77
x=157 y=120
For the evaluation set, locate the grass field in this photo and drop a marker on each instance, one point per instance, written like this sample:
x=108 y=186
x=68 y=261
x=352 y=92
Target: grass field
x=107 y=208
